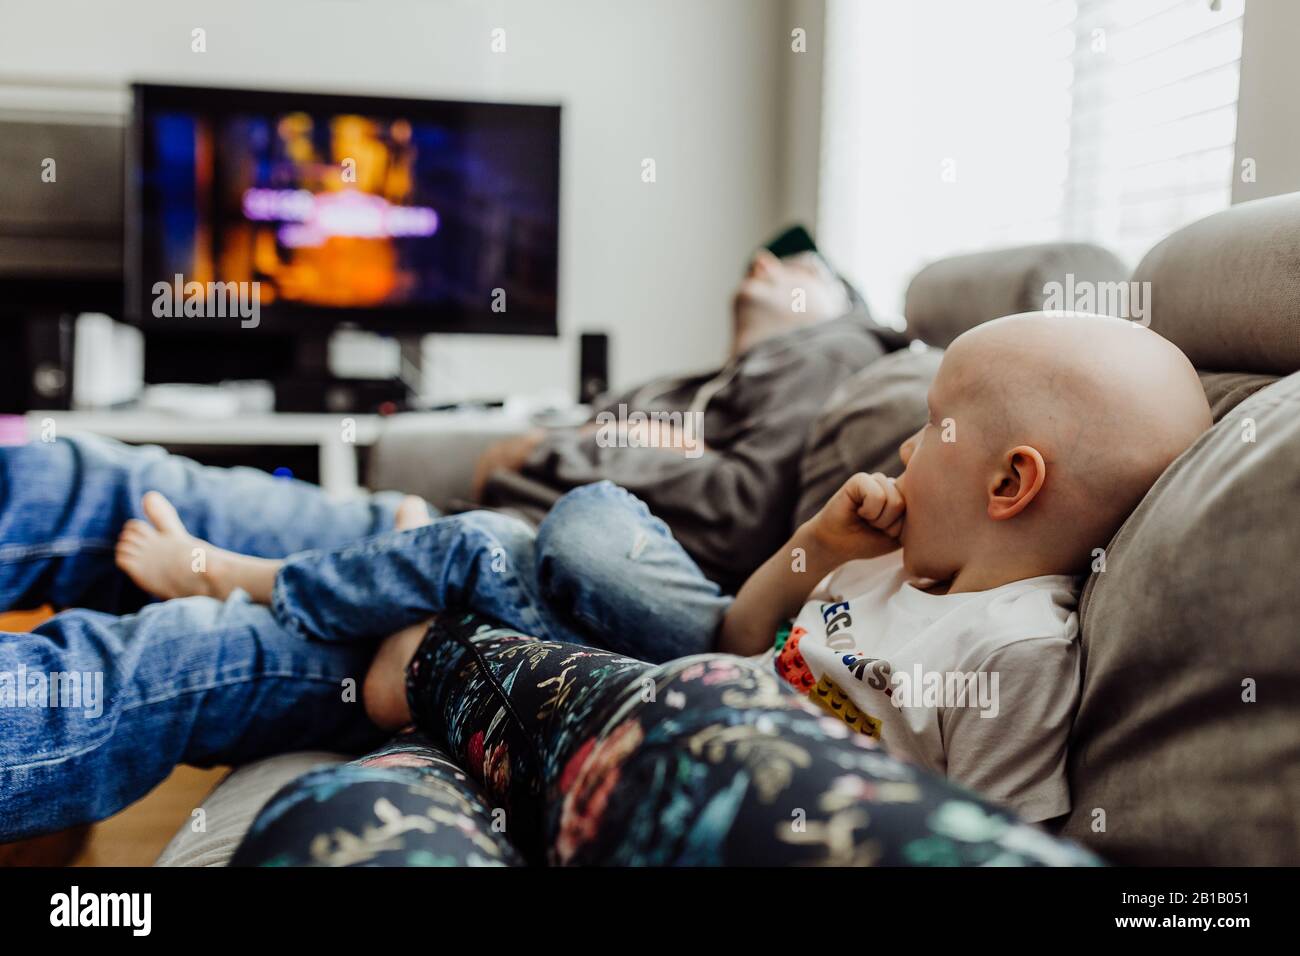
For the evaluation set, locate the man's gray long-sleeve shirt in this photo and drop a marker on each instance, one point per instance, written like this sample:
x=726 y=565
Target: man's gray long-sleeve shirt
x=730 y=507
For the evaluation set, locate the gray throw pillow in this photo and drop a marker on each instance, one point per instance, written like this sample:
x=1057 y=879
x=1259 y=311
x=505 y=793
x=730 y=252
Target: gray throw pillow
x=1226 y=390
x=864 y=422
x=1226 y=289
x=1195 y=614
x=952 y=295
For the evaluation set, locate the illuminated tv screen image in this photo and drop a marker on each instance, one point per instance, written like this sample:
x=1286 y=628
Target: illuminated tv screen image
x=411 y=215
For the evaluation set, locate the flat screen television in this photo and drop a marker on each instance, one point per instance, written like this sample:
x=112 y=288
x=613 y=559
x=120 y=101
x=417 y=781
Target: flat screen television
x=398 y=215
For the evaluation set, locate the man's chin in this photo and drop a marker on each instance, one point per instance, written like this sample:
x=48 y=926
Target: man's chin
x=754 y=324
x=753 y=312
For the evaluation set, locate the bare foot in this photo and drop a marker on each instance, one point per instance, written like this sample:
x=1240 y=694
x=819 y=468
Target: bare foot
x=412 y=512
x=384 y=690
x=165 y=559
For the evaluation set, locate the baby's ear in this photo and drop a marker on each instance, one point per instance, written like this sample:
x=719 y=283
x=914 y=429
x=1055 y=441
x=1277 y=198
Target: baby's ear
x=1017 y=482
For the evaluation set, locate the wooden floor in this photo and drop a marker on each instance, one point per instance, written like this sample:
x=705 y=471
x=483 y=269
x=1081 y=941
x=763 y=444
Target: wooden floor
x=133 y=837
x=137 y=835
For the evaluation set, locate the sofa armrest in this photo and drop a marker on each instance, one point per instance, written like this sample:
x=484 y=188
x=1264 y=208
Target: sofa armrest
x=432 y=454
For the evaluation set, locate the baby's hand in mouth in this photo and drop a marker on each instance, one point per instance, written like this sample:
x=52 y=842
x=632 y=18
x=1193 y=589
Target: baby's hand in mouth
x=884 y=511
x=865 y=507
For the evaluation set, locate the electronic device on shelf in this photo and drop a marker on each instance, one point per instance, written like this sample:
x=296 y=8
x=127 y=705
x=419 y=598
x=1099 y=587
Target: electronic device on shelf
x=287 y=215
x=238 y=229
x=396 y=214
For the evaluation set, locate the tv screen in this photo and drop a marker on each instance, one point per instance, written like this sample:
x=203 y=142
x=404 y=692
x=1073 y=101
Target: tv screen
x=395 y=214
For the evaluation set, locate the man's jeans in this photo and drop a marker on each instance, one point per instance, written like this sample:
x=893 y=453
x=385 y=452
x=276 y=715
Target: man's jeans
x=63 y=504
x=601 y=570
x=204 y=681
x=96 y=708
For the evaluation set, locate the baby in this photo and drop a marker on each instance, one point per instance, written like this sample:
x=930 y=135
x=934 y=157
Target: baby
x=934 y=612
x=959 y=651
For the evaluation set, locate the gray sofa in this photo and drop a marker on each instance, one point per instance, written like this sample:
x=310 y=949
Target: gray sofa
x=1186 y=746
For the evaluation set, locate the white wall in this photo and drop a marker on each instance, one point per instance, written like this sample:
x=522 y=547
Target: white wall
x=801 y=128
x=1268 y=124
x=695 y=85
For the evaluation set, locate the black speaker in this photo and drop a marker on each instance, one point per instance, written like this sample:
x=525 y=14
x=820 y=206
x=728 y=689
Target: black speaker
x=593 y=366
x=35 y=363
x=60 y=247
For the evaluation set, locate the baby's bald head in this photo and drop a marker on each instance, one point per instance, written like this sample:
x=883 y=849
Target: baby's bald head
x=1059 y=425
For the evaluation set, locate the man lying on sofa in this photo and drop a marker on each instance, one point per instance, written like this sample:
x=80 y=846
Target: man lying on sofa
x=728 y=503
x=99 y=703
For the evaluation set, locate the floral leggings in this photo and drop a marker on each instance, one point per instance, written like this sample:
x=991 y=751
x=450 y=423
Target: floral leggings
x=548 y=753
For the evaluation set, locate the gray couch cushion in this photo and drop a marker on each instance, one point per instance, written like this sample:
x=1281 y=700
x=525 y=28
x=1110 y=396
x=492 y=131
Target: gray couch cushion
x=229 y=810
x=1199 y=594
x=1226 y=289
x=865 y=421
x=1226 y=390
x=433 y=454
x=952 y=295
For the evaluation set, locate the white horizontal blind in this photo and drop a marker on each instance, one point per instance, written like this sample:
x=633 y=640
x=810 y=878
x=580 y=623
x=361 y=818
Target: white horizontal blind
x=952 y=126
x=1155 y=118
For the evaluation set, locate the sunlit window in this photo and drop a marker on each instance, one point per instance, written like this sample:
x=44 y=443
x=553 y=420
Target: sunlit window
x=950 y=126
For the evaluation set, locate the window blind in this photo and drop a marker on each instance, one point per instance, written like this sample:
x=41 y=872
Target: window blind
x=951 y=126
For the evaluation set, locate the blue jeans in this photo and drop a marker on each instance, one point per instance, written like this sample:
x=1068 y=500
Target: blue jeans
x=99 y=708
x=601 y=570
x=194 y=680
x=63 y=504
x=203 y=681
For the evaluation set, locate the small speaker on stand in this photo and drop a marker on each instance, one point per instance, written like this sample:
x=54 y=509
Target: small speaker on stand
x=593 y=366
x=36 y=362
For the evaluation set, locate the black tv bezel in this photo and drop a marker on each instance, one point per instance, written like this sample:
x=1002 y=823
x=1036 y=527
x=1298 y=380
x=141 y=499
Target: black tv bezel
x=291 y=318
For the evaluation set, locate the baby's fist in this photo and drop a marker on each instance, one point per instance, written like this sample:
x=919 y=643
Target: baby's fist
x=863 y=518
x=879 y=501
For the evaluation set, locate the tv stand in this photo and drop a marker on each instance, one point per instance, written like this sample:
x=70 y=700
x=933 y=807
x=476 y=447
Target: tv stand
x=338 y=443
x=296 y=365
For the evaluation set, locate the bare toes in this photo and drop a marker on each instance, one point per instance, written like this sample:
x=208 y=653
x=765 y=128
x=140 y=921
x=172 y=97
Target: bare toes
x=412 y=512
x=136 y=529
x=162 y=513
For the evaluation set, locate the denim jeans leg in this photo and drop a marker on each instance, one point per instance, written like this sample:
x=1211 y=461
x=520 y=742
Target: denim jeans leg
x=63 y=504
x=481 y=561
x=612 y=571
x=95 y=710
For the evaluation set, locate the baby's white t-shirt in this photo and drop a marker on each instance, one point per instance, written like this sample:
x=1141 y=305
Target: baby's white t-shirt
x=981 y=686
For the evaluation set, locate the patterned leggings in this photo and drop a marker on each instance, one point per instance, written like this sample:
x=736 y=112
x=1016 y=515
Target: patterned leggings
x=578 y=756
